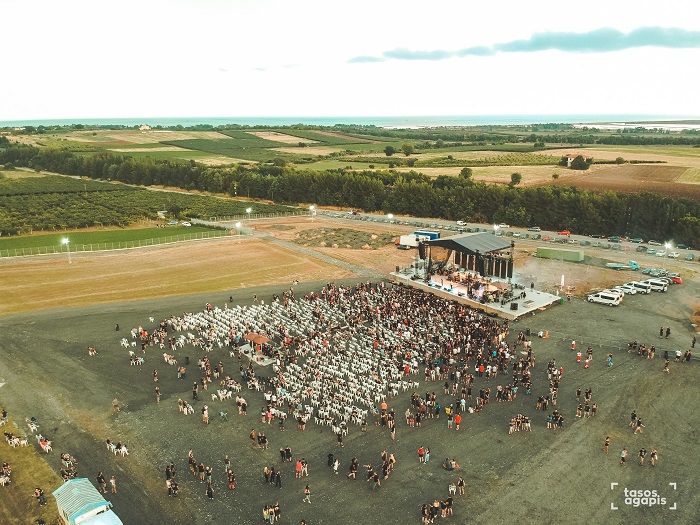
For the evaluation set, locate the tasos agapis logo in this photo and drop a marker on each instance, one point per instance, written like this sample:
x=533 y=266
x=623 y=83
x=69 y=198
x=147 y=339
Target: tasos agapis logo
x=637 y=497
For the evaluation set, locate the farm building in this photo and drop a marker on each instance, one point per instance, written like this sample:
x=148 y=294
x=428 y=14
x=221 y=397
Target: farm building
x=571 y=156
x=80 y=503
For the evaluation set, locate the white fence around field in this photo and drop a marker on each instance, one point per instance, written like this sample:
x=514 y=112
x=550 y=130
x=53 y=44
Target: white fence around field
x=102 y=246
x=251 y=216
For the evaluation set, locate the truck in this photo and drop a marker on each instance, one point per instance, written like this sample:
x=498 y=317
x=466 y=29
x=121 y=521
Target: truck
x=633 y=265
x=430 y=234
x=411 y=240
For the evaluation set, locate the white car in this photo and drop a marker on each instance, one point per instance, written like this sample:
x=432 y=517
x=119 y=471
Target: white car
x=628 y=289
x=187 y=224
x=661 y=253
x=503 y=225
x=461 y=223
x=620 y=293
x=674 y=255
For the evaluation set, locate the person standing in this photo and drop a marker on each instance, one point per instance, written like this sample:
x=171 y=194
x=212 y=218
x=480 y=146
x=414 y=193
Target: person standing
x=195 y=390
x=113 y=484
x=102 y=482
x=278 y=479
x=642 y=455
x=307 y=494
x=606 y=445
x=623 y=457
x=458 y=420
x=39 y=495
x=157 y=395
x=460 y=486
x=610 y=360
x=427 y=454
x=668 y=332
x=653 y=457
x=421 y=454
x=210 y=491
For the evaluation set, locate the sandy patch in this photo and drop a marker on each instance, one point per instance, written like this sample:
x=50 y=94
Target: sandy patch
x=281 y=137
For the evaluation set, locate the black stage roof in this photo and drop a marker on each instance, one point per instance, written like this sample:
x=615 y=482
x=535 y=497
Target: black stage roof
x=472 y=243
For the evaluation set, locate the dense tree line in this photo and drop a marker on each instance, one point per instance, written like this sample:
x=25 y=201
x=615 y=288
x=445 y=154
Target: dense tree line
x=550 y=207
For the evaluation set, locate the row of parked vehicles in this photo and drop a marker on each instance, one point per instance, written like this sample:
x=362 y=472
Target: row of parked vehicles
x=615 y=295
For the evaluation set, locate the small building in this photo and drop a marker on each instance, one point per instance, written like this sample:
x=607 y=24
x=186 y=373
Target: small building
x=80 y=503
x=571 y=156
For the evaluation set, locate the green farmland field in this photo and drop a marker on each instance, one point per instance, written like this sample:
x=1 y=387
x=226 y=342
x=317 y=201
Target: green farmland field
x=79 y=240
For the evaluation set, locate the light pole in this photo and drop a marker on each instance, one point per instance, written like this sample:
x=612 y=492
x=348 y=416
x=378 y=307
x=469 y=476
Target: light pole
x=248 y=210
x=668 y=247
x=65 y=241
x=312 y=212
x=238 y=227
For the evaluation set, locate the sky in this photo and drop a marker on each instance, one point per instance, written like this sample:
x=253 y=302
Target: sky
x=208 y=58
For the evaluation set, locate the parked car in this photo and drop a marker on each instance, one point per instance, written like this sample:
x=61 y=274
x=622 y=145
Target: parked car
x=641 y=248
x=674 y=255
x=537 y=236
x=689 y=257
x=614 y=238
x=661 y=253
x=682 y=246
x=534 y=229
x=651 y=251
x=656 y=285
x=637 y=240
x=187 y=224
x=598 y=236
x=676 y=280
x=611 y=299
x=172 y=223
x=504 y=225
x=585 y=243
x=627 y=288
x=546 y=238
x=654 y=243
x=564 y=232
x=461 y=223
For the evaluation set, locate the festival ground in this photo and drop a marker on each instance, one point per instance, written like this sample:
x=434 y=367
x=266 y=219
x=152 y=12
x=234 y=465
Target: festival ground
x=544 y=476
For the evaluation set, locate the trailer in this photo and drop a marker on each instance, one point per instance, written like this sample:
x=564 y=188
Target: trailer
x=411 y=240
x=430 y=234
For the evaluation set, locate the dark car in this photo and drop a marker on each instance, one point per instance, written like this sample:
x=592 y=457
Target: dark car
x=637 y=240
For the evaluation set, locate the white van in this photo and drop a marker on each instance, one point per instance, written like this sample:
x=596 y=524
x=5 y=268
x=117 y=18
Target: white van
x=640 y=287
x=657 y=286
x=605 y=298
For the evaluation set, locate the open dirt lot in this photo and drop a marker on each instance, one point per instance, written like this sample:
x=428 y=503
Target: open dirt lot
x=539 y=477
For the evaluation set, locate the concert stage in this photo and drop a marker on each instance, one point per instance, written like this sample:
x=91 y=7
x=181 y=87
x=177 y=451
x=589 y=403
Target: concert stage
x=533 y=300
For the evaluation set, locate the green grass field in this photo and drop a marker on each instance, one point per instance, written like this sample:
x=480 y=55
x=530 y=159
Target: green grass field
x=77 y=238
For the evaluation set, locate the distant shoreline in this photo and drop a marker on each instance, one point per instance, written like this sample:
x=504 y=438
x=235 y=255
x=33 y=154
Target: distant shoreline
x=609 y=121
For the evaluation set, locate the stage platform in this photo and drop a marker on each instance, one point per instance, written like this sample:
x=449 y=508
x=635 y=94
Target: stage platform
x=256 y=357
x=533 y=301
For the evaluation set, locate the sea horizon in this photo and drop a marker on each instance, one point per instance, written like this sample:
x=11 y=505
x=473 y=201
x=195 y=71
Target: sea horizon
x=414 y=121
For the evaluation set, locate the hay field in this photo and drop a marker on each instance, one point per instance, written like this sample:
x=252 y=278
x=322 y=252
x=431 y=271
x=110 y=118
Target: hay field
x=281 y=137
x=312 y=150
x=140 y=137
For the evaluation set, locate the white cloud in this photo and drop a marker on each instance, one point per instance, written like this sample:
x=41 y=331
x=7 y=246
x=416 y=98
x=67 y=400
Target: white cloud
x=80 y=59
